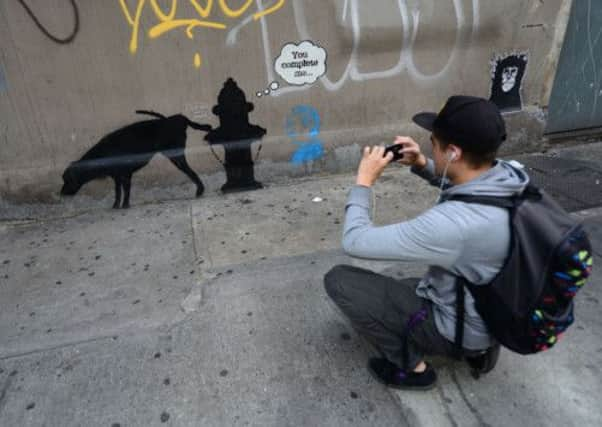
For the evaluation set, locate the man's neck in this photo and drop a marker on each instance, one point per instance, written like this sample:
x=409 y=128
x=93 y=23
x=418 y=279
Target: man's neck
x=469 y=174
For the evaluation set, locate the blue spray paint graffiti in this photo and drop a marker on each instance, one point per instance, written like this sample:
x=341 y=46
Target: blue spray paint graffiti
x=303 y=127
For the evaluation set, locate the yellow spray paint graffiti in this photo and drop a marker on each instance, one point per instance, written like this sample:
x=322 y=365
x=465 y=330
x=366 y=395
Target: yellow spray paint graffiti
x=167 y=21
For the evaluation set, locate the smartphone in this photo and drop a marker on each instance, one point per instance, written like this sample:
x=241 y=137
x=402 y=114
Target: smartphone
x=396 y=150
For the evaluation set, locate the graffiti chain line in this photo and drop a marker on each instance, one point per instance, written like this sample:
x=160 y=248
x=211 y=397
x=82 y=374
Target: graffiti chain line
x=224 y=164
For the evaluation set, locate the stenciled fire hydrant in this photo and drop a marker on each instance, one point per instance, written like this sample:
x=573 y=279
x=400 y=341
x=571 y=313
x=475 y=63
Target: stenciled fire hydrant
x=236 y=135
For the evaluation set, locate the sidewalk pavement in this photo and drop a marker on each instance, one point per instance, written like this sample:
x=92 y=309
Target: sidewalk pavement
x=212 y=312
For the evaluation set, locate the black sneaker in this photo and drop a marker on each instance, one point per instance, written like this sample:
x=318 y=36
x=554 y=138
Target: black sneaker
x=484 y=363
x=393 y=376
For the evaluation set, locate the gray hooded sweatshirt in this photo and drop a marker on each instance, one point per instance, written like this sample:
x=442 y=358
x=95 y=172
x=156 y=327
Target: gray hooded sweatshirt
x=454 y=238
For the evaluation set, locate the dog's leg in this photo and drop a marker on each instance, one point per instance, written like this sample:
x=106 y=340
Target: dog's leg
x=180 y=162
x=117 y=180
x=127 y=183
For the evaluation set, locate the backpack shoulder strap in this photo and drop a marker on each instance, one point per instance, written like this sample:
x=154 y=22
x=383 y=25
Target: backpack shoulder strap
x=501 y=202
x=460 y=312
x=530 y=192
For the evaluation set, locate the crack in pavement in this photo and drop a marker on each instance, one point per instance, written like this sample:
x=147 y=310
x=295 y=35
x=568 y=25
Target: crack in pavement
x=179 y=320
x=472 y=409
x=444 y=399
x=3 y=391
x=55 y=347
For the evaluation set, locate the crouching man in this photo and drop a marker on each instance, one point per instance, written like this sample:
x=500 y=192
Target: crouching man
x=409 y=319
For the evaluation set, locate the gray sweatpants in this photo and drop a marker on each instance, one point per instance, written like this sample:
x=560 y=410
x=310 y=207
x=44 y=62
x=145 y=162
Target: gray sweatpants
x=388 y=313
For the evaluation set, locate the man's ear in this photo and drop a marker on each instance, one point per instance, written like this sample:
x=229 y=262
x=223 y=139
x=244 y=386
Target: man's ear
x=454 y=152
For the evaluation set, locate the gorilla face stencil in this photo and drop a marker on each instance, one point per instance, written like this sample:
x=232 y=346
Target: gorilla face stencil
x=509 y=78
x=507 y=73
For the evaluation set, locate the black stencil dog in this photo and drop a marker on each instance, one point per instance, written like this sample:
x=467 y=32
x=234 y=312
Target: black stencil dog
x=122 y=152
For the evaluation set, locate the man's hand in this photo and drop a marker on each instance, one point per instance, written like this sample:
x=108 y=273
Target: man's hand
x=372 y=165
x=411 y=152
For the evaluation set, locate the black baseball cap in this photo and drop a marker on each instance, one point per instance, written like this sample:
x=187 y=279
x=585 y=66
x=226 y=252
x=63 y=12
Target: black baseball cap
x=472 y=123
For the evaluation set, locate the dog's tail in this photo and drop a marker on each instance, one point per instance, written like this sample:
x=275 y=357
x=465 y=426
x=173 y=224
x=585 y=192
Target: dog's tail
x=151 y=113
x=199 y=126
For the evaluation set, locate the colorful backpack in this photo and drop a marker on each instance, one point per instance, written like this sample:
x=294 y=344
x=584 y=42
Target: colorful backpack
x=529 y=304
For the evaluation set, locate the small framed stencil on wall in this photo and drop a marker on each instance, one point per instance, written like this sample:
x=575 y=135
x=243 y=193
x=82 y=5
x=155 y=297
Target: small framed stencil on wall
x=507 y=75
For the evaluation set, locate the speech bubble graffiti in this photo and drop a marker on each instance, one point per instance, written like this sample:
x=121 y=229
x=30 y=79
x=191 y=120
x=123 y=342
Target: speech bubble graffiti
x=301 y=64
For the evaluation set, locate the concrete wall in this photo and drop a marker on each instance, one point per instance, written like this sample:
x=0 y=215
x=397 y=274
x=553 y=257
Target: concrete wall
x=385 y=61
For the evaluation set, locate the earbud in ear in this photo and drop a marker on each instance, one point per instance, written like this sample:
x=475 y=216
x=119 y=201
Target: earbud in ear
x=451 y=156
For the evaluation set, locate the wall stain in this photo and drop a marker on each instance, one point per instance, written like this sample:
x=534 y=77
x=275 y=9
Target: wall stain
x=3 y=85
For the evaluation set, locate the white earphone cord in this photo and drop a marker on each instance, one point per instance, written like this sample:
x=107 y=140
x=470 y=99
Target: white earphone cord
x=444 y=174
x=443 y=178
